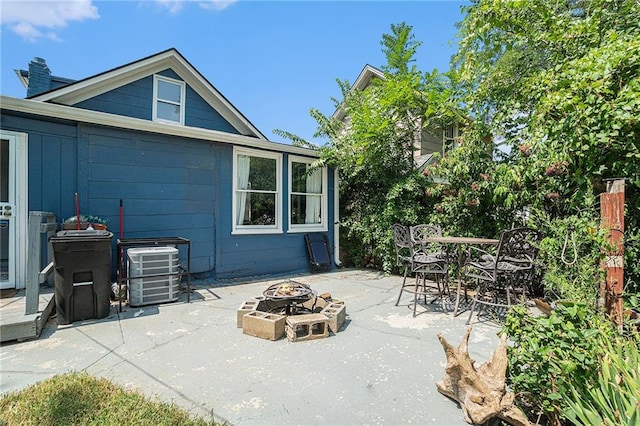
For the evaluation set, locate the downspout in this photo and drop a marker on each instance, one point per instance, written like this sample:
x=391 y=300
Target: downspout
x=336 y=216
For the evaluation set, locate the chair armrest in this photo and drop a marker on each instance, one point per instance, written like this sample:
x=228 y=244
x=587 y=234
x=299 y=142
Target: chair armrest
x=519 y=261
x=478 y=253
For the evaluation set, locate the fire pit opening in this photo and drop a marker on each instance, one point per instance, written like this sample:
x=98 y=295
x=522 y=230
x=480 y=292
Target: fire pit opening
x=289 y=298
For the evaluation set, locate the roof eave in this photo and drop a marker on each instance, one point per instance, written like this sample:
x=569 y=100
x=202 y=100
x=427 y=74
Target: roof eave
x=93 y=86
x=63 y=112
x=23 y=77
x=362 y=81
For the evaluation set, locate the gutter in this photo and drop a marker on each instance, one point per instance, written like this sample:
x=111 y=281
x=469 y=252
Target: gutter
x=336 y=216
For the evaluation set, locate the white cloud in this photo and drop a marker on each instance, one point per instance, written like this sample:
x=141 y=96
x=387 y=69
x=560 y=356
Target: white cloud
x=31 y=33
x=172 y=6
x=217 y=4
x=27 y=18
x=26 y=31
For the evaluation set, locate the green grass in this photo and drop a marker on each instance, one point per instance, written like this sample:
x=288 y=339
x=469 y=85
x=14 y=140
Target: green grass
x=80 y=399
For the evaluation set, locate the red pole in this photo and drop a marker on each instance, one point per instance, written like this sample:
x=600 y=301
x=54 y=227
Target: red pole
x=612 y=215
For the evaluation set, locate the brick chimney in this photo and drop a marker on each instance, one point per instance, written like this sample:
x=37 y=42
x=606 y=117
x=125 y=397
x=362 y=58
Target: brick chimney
x=39 y=77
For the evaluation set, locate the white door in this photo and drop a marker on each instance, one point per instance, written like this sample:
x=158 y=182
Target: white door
x=12 y=209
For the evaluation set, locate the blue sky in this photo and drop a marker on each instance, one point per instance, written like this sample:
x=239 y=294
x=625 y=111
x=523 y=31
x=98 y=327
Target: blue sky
x=274 y=60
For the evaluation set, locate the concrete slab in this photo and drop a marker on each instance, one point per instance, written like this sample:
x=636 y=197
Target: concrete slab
x=381 y=368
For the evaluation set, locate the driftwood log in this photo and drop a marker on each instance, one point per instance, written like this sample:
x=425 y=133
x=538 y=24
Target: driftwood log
x=481 y=392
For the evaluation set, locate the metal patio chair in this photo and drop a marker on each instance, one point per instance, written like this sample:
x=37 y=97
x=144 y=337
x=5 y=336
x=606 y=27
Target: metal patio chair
x=501 y=276
x=427 y=261
x=402 y=242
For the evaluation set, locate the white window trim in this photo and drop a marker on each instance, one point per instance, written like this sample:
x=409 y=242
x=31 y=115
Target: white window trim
x=257 y=229
x=312 y=227
x=182 y=85
x=454 y=140
x=19 y=145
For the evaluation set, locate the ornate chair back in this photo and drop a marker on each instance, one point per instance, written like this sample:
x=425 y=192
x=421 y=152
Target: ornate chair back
x=402 y=242
x=518 y=246
x=419 y=237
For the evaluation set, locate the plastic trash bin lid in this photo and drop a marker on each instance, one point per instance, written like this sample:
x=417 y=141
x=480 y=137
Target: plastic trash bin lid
x=83 y=234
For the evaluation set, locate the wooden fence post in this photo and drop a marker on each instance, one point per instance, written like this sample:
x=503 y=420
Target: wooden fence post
x=612 y=216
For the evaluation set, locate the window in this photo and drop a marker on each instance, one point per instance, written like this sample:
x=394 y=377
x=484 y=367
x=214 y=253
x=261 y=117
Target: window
x=168 y=100
x=256 y=195
x=307 y=196
x=449 y=138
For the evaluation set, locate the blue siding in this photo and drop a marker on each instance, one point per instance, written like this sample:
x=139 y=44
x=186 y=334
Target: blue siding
x=52 y=163
x=263 y=254
x=170 y=186
x=132 y=100
x=166 y=185
x=136 y=100
x=200 y=114
x=244 y=255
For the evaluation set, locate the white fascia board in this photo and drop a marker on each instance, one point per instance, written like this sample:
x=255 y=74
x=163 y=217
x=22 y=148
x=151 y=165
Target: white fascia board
x=24 y=80
x=366 y=76
x=214 y=98
x=102 y=83
x=28 y=106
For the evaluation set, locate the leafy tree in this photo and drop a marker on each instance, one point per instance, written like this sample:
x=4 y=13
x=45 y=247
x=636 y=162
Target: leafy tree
x=373 y=148
x=464 y=202
x=557 y=83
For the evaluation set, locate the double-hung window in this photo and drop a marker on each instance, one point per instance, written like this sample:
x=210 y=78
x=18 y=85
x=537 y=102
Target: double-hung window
x=449 y=138
x=307 y=196
x=257 y=194
x=168 y=100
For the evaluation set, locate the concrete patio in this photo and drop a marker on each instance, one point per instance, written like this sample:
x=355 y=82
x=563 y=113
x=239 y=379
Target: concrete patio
x=381 y=368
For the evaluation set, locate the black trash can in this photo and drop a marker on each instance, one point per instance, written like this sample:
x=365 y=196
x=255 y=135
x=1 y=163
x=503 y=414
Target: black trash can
x=82 y=261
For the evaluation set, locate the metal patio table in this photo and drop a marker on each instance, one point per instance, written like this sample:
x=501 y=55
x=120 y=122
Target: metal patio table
x=461 y=244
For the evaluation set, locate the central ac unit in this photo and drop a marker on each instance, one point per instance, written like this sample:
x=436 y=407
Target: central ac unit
x=153 y=275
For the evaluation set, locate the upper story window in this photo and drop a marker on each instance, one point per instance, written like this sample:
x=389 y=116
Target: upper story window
x=257 y=194
x=449 y=138
x=307 y=196
x=168 y=100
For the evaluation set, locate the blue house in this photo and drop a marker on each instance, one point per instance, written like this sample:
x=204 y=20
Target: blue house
x=157 y=136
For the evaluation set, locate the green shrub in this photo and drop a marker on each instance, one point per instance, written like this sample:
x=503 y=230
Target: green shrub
x=611 y=397
x=548 y=356
x=572 y=252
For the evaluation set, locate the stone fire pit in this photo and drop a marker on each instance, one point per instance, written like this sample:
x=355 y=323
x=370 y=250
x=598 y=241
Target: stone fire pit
x=293 y=309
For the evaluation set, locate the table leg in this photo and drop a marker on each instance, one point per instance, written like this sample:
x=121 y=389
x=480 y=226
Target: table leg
x=460 y=251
